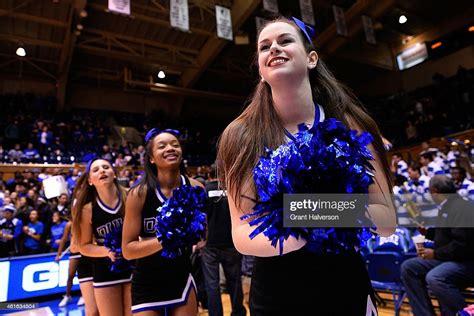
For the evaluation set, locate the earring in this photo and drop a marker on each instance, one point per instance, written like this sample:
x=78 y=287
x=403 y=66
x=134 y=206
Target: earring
x=262 y=80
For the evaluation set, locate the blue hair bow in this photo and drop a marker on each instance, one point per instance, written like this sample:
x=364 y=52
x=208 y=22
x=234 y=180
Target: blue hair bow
x=307 y=30
x=89 y=164
x=156 y=131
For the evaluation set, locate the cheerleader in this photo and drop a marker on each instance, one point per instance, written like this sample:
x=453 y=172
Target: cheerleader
x=98 y=211
x=159 y=285
x=295 y=88
x=83 y=266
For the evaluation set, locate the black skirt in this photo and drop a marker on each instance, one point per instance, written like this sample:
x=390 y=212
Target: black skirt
x=159 y=283
x=103 y=277
x=306 y=283
x=84 y=269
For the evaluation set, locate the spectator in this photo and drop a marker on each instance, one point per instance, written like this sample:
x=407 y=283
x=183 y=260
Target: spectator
x=220 y=249
x=464 y=186
x=56 y=232
x=418 y=188
x=10 y=232
x=62 y=206
x=30 y=154
x=449 y=267
x=429 y=166
x=23 y=209
x=399 y=166
x=15 y=154
x=33 y=232
x=45 y=139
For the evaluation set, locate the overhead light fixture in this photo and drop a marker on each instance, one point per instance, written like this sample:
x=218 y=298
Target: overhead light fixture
x=83 y=14
x=471 y=29
x=20 y=51
x=402 y=19
x=161 y=74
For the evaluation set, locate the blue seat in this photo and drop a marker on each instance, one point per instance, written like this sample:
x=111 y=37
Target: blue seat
x=384 y=273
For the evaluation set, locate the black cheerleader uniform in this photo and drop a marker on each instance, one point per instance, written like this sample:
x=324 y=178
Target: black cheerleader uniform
x=311 y=284
x=84 y=268
x=307 y=283
x=159 y=283
x=104 y=220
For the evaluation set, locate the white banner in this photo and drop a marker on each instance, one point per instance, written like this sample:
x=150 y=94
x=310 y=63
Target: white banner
x=270 y=5
x=120 y=6
x=179 y=14
x=224 y=23
x=369 y=30
x=54 y=186
x=341 y=27
x=307 y=14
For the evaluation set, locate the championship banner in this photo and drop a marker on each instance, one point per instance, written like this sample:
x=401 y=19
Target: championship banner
x=307 y=14
x=340 y=20
x=179 y=14
x=369 y=30
x=270 y=6
x=120 y=6
x=224 y=23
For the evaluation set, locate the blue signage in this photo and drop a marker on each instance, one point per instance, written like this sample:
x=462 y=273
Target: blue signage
x=31 y=276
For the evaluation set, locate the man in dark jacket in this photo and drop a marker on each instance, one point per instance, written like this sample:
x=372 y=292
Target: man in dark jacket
x=449 y=267
x=220 y=249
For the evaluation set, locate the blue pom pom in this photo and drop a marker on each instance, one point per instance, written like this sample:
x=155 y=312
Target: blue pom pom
x=113 y=241
x=328 y=158
x=181 y=221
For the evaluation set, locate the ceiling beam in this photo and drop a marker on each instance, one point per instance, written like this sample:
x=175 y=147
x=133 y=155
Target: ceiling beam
x=28 y=40
x=151 y=20
x=67 y=51
x=139 y=40
x=240 y=10
x=141 y=60
x=329 y=41
x=33 y=18
x=180 y=91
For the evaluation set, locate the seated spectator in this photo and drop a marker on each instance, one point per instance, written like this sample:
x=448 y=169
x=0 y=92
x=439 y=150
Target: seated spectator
x=399 y=166
x=15 y=154
x=418 y=189
x=10 y=232
x=464 y=186
x=429 y=166
x=120 y=161
x=449 y=267
x=30 y=154
x=33 y=232
x=56 y=232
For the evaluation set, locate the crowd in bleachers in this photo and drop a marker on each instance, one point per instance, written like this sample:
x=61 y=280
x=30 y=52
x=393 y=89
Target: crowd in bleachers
x=32 y=132
x=442 y=108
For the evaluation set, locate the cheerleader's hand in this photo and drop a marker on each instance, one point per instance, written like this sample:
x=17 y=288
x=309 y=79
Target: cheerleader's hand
x=112 y=255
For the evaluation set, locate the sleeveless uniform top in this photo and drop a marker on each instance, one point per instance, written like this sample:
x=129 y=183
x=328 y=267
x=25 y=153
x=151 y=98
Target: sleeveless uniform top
x=105 y=219
x=159 y=283
x=154 y=200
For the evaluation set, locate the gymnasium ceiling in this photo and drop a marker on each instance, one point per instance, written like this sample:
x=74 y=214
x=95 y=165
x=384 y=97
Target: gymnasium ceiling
x=79 y=41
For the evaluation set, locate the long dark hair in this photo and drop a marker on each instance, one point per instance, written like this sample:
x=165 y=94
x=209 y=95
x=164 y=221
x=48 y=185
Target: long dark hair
x=84 y=193
x=150 y=177
x=259 y=126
